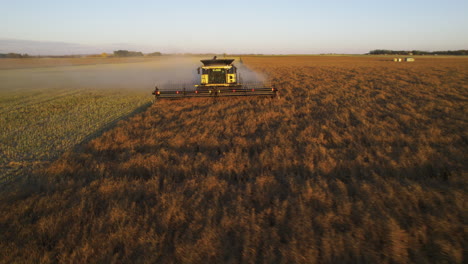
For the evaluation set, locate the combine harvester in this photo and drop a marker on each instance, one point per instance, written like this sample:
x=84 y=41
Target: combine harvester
x=219 y=78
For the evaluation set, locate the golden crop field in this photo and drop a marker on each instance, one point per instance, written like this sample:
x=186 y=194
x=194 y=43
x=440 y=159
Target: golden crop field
x=361 y=160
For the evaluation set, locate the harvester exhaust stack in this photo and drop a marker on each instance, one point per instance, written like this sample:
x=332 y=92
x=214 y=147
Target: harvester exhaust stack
x=218 y=78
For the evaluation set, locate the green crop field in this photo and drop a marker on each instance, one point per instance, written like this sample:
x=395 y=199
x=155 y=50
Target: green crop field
x=39 y=128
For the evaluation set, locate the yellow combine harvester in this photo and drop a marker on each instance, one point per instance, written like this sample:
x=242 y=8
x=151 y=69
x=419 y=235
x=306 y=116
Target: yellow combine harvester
x=219 y=78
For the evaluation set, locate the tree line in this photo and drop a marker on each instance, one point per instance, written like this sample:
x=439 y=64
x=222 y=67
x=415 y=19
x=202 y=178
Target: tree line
x=117 y=53
x=14 y=55
x=126 y=53
x=417 y=52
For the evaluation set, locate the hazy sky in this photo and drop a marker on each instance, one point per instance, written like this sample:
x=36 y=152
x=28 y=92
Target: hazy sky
x=254 y=26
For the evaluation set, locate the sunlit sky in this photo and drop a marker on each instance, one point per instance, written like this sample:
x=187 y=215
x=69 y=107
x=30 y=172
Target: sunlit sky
x=255 y=26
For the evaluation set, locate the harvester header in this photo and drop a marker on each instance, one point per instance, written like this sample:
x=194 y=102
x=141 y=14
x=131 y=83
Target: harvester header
x=218 y=78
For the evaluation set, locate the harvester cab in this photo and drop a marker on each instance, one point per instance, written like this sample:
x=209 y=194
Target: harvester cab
x=216 y=72
x=218 y=78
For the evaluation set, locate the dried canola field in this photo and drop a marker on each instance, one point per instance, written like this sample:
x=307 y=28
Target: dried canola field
x=361 y=160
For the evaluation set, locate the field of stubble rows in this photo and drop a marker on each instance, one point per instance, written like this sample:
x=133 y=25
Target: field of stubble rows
x=361 y=160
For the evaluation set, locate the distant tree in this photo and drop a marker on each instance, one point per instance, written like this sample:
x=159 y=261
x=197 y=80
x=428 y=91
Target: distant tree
x=14 y=55
x=154 y=54
x=121 y=53
x=126 y=53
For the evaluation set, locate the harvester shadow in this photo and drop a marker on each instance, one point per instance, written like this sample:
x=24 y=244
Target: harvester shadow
x=108 y=126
